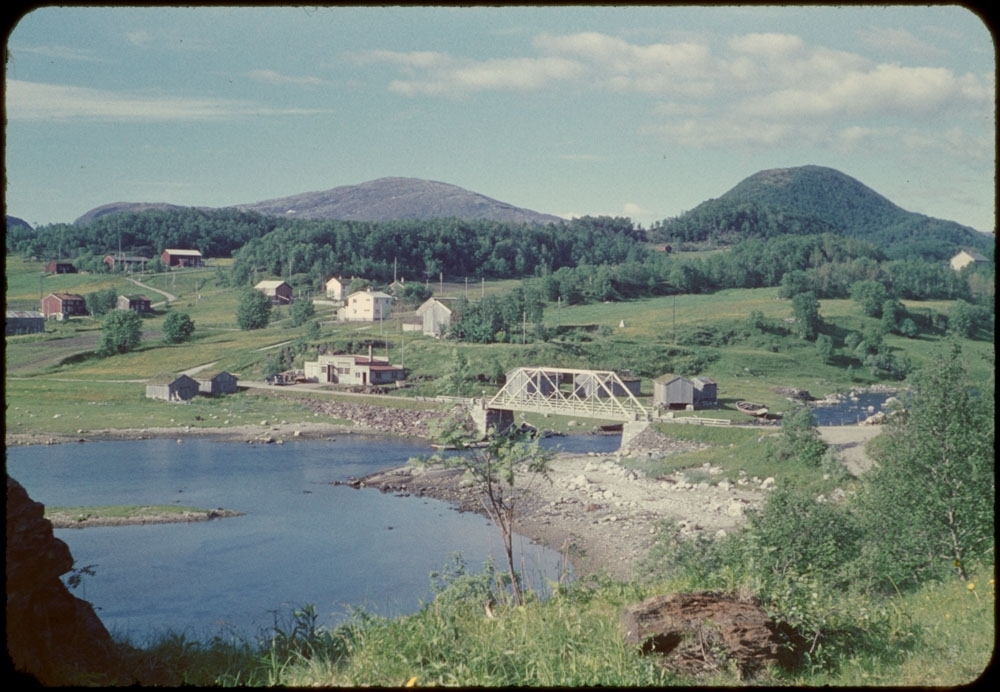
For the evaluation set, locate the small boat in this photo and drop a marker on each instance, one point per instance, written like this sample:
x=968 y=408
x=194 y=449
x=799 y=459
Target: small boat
x=752 y=409
x=610 y=429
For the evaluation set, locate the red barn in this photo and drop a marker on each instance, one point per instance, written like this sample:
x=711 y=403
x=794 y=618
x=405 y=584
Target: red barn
x=63 y=305
x=181 y=258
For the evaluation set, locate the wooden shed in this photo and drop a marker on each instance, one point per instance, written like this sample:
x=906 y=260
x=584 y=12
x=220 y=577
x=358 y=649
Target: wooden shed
x=57 y=267
x=24 y=322
x=278 y=291
x=213 y=383
x=140 y=304
x=436 y=314
x=172 y=388
x=676 y=392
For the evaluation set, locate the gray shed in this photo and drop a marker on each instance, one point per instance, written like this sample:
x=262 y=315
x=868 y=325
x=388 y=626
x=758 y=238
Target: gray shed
x=213 y=383
x=24 y=322
x=172 y=388
x=676 y=392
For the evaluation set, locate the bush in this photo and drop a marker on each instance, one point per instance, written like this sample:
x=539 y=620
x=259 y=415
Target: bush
x=177 y=328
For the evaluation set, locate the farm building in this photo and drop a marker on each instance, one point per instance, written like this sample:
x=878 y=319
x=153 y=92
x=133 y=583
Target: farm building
x=353 y=370
x=63 y=305
x=366 y=306
x=966 y=257
x=586 y=384
x=676 y=392
x=24 y=322
x=278 y=291
x=538 y=382
x=436 y=314
x=181 y=258
x=125 y=263
x=172 y=388
x=56 y=267
x=213 y=383
x=140 y=304
x=336 y=289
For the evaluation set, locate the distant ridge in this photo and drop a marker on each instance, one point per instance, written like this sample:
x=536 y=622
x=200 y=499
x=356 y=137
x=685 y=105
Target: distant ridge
x=388 y=199
x=122 y=208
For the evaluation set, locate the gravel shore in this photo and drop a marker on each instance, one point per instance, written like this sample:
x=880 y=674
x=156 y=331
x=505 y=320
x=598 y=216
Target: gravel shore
x=602 y=516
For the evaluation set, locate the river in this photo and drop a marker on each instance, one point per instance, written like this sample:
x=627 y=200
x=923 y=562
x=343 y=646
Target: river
x=303 y=540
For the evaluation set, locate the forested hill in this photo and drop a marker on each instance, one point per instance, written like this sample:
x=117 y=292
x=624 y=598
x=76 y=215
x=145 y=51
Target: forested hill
x=391 y=199
x=385 y=199
x=122 y=208
x=812 y=199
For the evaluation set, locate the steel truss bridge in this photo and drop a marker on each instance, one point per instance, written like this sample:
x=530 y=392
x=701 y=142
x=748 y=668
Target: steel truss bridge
x=562 y=391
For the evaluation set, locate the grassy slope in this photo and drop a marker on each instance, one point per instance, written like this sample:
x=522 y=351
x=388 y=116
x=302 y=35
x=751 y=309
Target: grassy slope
x=84 y=393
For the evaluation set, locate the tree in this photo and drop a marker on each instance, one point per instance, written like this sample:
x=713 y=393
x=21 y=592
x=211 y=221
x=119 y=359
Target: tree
x=302 y=312
x=932 y=490
x=870 y=295
x=807 y=319
x=503 y=471
x=799 y=439
x=824 y=347
x=101 y=302
x=254 y=310
x=177 y=327
x=121 y=332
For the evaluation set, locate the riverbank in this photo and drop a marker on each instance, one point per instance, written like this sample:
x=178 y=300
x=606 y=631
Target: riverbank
x=604 y=517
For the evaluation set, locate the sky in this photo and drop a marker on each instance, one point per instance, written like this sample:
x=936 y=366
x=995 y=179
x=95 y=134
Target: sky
x=633 y=111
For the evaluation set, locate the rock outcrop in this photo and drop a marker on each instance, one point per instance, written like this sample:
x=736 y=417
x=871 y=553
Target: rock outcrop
x=51 y=635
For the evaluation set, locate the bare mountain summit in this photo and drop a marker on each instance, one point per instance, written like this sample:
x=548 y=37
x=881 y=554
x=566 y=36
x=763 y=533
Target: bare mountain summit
x=387 y=199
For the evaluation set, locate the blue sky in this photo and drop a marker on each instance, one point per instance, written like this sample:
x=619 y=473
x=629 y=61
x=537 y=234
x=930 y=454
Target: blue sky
x=630 y=111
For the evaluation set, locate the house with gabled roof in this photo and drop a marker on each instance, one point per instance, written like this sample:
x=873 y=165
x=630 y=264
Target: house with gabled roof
x=174 y=257
x=137 y=303
x=966 y=257
x=215 y=383
x=676 y=392
x=63 y=305
x=366 y=306
x=437 y=314
x=278 y=291
x=172 y=388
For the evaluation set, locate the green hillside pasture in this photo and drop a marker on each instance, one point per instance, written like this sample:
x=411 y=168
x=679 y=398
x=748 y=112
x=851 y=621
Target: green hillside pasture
x=65 y=407
x=654 y=318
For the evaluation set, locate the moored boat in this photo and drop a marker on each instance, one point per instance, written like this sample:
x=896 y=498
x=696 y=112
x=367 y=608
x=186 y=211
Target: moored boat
x=752 y=409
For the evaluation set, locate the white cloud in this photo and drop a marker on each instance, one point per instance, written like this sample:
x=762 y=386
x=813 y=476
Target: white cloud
x=55 y=102
x=273 y=77
x=899 y=41
x=69 y=53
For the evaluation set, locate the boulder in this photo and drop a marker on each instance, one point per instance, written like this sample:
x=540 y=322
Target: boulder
x=52 y=636
x=704 y=631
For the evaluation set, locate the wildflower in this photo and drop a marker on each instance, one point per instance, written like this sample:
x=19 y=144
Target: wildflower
x=971 y=586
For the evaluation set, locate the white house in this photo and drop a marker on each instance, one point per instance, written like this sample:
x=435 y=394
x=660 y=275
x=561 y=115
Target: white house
x=353 y=370
x=366 y=306
x=966 y=257
x=336 y=289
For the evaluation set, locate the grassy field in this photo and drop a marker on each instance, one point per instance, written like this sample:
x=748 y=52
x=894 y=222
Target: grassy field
x=634 y=335
x=942 y=634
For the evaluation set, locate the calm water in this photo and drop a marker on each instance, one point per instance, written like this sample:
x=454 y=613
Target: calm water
x=303 y=540
x=849 y=412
